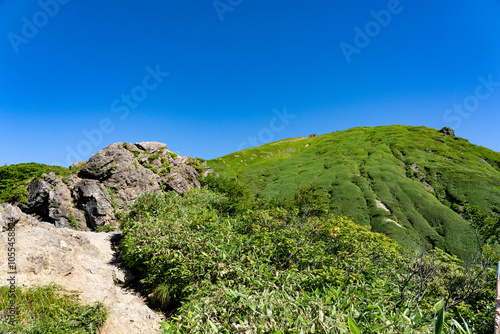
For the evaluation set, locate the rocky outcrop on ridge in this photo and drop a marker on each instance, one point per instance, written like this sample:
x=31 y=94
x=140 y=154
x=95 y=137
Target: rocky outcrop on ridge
x=447 y=131
x=110 y=180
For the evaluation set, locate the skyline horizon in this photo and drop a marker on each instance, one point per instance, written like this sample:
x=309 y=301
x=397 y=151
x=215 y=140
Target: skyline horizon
x=72 y=153
x=211 y=77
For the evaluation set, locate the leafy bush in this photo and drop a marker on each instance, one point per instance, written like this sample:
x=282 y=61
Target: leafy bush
x=270 y=270
x=236 y=197
x=310 y=202
x=172 y=154
x=197 y=164
x=153 y=157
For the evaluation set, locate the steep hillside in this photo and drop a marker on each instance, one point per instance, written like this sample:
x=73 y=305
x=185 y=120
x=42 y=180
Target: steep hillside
x=406 y=182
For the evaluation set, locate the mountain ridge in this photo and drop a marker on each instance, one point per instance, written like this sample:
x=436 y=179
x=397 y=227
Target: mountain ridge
x=420 y=174
x=407 y=182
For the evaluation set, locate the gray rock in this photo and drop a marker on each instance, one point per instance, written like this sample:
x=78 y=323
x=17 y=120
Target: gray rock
x=428 y=186
x=52 y=200
x=77 y=164
x=151 y=146
x=118 y=168
x=92 y=270
x=92 y=197
x=447 y=131
x=38 y=193
x=9 y=216
x=208 y=170
x=130 y=170
x=481 y=160
x=101 y=165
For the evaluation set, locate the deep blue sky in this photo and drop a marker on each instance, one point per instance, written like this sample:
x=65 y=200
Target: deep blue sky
x=227 y=76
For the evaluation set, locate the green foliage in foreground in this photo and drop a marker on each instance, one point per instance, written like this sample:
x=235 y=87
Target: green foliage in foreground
x=277 y=270
x=51 y=310
x=422 y=176
x=14 y=179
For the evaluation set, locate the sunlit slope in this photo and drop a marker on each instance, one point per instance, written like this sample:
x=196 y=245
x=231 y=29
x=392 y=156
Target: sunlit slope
x=416 y=173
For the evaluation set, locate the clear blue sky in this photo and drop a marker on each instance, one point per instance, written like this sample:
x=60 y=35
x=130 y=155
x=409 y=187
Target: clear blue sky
x=76 y=76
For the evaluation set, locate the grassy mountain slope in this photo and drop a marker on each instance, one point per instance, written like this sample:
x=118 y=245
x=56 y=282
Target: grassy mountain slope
x=419 y=174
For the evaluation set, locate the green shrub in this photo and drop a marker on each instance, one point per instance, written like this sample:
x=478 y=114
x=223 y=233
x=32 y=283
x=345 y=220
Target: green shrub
x=72 y=220
x=172 y=154
x=153 y=157
x=236 y=196
x=270 y=269
x=197 y=163
x=167 y=168
x=151 y=168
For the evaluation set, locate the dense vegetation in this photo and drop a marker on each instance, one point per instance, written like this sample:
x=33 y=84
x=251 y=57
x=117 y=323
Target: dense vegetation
x=291 y=267
x=50 y=309
x=14 y=179
x=421 y=175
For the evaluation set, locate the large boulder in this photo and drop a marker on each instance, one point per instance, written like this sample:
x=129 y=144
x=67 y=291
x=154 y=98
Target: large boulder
x=93 y=198
x=120 y=167
x=9 y=216
x=151 y=146
x=52 y=200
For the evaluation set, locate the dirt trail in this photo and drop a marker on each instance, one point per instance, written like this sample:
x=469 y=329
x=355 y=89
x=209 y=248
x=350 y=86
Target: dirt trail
x=81 y=261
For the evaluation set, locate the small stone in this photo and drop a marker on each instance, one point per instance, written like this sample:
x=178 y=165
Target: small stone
x=92 y=270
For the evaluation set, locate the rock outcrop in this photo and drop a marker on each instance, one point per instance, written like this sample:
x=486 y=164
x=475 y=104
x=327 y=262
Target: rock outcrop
x=52 y=200
x=447 y=131
x=110 y=180
x=93 y=198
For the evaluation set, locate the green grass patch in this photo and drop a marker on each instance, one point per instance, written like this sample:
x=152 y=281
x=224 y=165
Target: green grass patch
x=50 y=309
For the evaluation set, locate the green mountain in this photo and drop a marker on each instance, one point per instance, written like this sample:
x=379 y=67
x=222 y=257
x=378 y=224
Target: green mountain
x=406 y=182
x=216 y=261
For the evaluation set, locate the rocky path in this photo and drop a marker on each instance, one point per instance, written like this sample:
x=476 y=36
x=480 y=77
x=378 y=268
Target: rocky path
x=77 y=260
